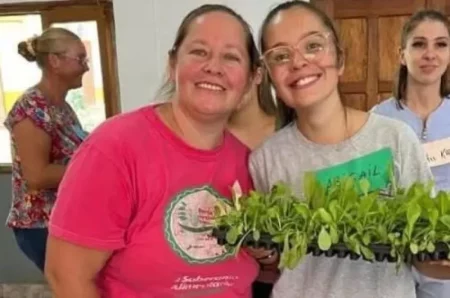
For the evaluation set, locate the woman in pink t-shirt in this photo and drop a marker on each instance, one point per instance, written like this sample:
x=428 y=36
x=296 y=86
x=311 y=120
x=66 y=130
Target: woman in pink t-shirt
x=135 y=208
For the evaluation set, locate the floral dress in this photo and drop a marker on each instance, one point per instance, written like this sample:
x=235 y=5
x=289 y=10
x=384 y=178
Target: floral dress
x=29 y=208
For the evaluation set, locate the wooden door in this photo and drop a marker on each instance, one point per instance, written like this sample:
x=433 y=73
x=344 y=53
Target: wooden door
x=370 y=34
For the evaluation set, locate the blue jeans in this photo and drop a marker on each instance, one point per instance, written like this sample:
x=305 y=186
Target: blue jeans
x=33 y=243
x=427 y=287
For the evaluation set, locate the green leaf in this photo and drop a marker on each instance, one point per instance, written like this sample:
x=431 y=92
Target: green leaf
x=232 y=235
x=367 y=253
x=431 y=247
x=348 y=183
x=319 y=198
x=302 y=209
x=445 y=220
x=366 y=239
x=382 y=232
x=433 y=216
x=278 y=238
x=414 y=248
x=364 y=184
x=309 y=185
x=256 y=235
x=442 y=202
x=324 y=239
x=334 y=235
x=333 y=208
x=413 y=213
x=326 y=217
x=273 y=211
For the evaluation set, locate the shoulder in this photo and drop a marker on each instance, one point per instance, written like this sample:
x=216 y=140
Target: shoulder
x=274 y=144
x=125 y=130
x=390 y=127
x=32 y=105
x=31 y=99
x=234 y=143
x=387 y=106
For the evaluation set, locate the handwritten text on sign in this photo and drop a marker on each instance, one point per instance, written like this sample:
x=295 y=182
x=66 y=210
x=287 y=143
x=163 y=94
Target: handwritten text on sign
x=438 y=152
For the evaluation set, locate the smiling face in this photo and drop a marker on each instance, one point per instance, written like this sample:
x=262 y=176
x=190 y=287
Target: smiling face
x=427 y=52
x=310 y=71
x=211 y=68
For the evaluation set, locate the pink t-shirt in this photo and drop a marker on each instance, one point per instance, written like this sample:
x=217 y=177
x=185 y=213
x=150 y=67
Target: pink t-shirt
x=135 y=188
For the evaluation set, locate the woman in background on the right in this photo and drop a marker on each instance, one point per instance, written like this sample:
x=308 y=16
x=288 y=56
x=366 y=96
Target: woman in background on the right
x=421 y=100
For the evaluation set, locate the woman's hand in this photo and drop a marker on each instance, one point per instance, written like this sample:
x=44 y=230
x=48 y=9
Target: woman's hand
x=445 y=263
x=268 y=260
x=264 y=256
x=434 y=269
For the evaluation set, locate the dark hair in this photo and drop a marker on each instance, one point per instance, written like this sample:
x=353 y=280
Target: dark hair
x=400 y=85
x=168 y=87
x=265 y=97
x=51 y=41
x=287 y=113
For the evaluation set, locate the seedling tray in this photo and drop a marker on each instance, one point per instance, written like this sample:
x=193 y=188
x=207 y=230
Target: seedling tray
x=381 y=251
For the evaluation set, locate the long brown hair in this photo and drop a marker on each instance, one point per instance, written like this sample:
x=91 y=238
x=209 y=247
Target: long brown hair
x=401 y=81
x=287 y=113
x=266 y=100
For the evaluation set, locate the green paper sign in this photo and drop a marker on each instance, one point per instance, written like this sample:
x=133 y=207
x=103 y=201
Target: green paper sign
x=375 y=167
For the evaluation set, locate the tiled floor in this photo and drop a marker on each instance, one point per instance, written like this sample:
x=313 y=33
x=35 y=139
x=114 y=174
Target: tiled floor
x=24 y=291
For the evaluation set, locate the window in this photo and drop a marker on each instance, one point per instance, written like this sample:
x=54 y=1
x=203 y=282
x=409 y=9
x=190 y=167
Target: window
x=97 y=99
x=16 y=74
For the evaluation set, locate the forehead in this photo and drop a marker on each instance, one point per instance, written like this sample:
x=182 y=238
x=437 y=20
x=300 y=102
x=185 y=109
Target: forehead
x=290 y=25
x=430 y=29
x=218 y=27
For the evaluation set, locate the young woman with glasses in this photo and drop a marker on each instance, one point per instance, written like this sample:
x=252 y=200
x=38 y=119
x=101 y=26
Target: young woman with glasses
x=302 y=54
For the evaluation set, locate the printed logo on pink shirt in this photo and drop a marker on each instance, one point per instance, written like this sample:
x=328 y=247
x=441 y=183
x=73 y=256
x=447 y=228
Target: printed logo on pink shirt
x=188 y=225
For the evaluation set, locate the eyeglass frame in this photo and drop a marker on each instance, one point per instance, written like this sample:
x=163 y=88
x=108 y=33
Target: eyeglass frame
x=294 y=49
x=82 y=61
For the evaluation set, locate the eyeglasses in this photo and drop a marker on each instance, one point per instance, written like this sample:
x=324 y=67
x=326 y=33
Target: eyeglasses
x=83 y=61
x=312 y=48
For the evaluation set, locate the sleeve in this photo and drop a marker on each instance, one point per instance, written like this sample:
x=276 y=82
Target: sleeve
x=94 y=203
x=257 y=172
x=33 y=108
x=413 y=163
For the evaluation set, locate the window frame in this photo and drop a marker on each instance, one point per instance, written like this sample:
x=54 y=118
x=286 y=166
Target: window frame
x=100 y=11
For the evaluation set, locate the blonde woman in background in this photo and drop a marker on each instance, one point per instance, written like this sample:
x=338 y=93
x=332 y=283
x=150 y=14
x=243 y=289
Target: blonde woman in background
x=45 y=132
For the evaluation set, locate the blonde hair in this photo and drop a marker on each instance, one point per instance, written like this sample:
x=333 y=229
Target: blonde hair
x=51 y=41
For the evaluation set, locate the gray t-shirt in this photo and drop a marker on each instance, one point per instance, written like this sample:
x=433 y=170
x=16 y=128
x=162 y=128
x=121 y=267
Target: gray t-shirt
x=288 y=155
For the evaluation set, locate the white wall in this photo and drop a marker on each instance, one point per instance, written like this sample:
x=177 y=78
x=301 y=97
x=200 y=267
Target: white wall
x=144 y=36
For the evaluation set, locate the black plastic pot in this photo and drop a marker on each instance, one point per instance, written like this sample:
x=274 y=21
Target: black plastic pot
x=265 y=241
x=381 y=251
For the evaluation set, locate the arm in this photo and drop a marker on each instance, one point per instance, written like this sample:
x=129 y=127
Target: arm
x=33 y=148
x=83 y=264
x=89 y=220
